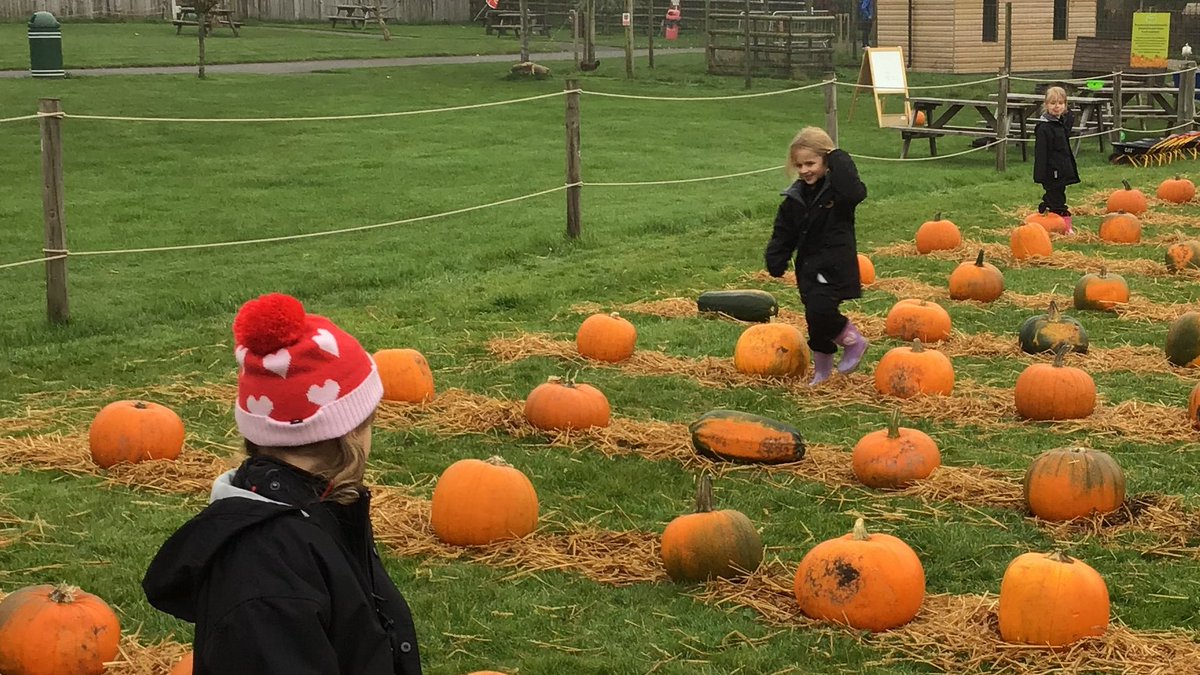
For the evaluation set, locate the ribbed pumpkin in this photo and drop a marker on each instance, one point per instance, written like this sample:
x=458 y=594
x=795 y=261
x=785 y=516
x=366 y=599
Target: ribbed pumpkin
x=710 y=544
x=1045 y=332
x=1183 y=340
x=979 y=281
x=1176 y=190
x=1103 y=292
x=866 y=270
x=1051 y=599
x=1121 y=228
x=606 y=337
x=184 y=666
x=743 y=304
x=406 y=375
x=1127 y=199
x=771 y=349
x=1073 y=482
x=134 y=431
x=560 y=404
x=1053 y=391
x=1194 y=407
x=895 y=456
x=1030 y=240
x=1183 y=255
x=907 y=371
x=478 y=502
x=867 y=581
x=938 y=235
x=912 y=319
x=745 y=437
x=1050 y=221
x=56 y=630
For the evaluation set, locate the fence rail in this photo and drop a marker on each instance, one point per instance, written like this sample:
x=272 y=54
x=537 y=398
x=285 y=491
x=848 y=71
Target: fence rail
x=403 y=11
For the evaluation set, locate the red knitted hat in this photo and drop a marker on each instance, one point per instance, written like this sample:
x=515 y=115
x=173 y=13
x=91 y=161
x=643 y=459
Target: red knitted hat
x=302 y=378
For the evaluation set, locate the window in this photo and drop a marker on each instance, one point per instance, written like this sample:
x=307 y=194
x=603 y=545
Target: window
x=1060 y=19
x=991 y=18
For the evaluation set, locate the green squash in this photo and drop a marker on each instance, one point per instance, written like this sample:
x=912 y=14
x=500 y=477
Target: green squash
x=1044 y=332
x=745 y=437
x=1183 y=340
x=743 y=305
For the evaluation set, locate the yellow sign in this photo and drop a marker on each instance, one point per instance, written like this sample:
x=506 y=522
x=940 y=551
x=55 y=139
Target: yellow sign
x=1151 y=38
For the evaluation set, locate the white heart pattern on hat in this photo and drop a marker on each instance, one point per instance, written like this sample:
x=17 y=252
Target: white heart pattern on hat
x=259 y=405
x=324 y=394
x=326 y=341
x=278 y=362
x=240 y=355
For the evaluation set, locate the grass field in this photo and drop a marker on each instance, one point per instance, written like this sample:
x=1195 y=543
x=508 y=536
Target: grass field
x=157 y=326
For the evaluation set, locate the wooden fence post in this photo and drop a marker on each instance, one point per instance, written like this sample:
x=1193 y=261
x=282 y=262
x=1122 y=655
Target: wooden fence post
x=1186 y=110
x=1002 y=123
x=629 y=41
x=831 y=112
x=573 y=162
x=746 y=35
x=650 y=31
x=57 y=306
x=1117 y=122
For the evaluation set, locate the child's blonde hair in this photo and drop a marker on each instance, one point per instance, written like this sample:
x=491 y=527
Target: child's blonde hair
x=1054 y=95
x=809 y=138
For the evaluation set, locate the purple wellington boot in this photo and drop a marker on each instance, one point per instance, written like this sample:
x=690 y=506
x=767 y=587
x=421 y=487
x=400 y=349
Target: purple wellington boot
x=854 y=345
x=1069 y=230
x=822 y=368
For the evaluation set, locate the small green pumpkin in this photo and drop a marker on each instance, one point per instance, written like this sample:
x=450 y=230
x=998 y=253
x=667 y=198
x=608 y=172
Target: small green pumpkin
x=1044 y=332
x=743 y=305
x=1183 y=340
x=744 y=437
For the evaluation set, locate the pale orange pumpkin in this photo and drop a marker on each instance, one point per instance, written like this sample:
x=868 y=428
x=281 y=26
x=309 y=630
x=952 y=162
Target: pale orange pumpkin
x=1073 y=482
x=866 y=270
x=1052 y=600
x=1050 y=221
x=184 y=666
x=560 y=404
x=980 y=281
x=771 y=349
x=478 y=502
x=1127 y=199
x=1183 y=255
x=56 y=630
x=1194 y=407
x=913 y=319
x=1121 y=228
x=710 y=544
x=134 y=431
x=405 y=374
x=894 y=457
x=606 y=337
x=938 y=235
x=1176 y=190
x=1103 y=291
x=1030 y=240
x=1054 y=391
x=905 y=372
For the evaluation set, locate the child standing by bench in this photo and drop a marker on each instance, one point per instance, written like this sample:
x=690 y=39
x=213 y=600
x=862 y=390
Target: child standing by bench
x=1053 y=162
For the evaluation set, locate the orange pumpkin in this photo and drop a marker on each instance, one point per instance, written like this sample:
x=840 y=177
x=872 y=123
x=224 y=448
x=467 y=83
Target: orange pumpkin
x=1121 y=228
x=606 y=337
x=56 y=630
x=979 y=281
x=184 y=666
x=938 y=235
x=745 y=437
x=1194 y=407
x=559 y=404
x=771 y=349
x=1103 y=291
x=911 y=319
x=1176 y=190
x=1050 y=221
x=907 y=371
x=1051 y=599
x=476 y=503
x=866 y=270
x=1030 y=240
x=134 y=431
x=867 y=581
x=1054 y=391
x=1073 y=482
x=405 y=374
x=1127 y=199
x=894 y=457
x=919 y=119
x=1183 y=255
x=710 y=544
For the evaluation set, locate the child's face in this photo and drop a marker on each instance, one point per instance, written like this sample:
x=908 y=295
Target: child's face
x=809 y=164
x=1057 y=107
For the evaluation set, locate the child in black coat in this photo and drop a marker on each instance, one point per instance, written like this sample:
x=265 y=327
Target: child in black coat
x=816 y=223
x=1053 y=162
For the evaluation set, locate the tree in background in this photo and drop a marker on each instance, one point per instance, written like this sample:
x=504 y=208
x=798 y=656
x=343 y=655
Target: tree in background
x=203 y=9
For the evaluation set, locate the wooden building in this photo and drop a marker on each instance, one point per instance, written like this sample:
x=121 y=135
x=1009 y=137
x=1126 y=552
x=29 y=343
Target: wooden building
x=967 y=36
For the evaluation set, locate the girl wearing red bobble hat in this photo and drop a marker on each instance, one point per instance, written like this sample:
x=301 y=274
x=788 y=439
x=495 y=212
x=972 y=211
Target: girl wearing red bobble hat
x=280 y=572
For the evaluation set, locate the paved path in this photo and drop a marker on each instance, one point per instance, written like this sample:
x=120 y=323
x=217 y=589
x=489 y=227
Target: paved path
x=289 y=67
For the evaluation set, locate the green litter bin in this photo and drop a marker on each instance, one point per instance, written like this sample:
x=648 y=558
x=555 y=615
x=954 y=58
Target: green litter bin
x=45 y=46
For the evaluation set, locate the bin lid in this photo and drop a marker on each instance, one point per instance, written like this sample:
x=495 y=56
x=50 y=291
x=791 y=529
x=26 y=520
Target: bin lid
x=43 y=21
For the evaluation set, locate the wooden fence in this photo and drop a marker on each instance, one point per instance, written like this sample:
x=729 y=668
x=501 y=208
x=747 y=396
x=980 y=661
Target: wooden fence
x=403 y=11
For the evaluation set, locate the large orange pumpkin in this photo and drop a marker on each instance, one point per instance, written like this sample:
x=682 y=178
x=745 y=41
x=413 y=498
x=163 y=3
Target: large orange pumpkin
x=56 y=630
x=405 y=374
x=710 y=544
x=895 y=456
x=134 y=431
x=1194 y=407
x=979 y=281
x=477 y=502
x=1051 y=599
x=1103 y=291
x=771 y=349
x=938 y=235
x=1073 y=482
x=866 y=270
x=1127 y=199
x=867 y=581
x=1176 y=190
x=907 y=371
x=559 y=404
x=745 y=437
x=1030 y=240
x=1054 y=391
x=1183 y=340
x=1121 y=228
x=184 y=666
x=912 y=319
x=606 y=337
x=1183 y=255
x=1050 y=221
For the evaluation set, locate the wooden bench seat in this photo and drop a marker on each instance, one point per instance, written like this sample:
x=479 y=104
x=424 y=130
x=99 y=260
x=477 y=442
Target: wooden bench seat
x=354 y=21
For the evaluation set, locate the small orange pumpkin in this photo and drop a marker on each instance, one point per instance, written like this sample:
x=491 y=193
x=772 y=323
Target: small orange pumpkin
x=558 y=404
x=1103 y=291
x=938 y=235
x=1194 y=407
x=867 y=581
x=919 y=118
x=405 y=374
x=1127 y=199
x=1050 y=221
x=1051 y=599
x=710 y=544
x=1073 y=482
x=1176 y=190
x=606 y=337
x=1183 y=255
x=894 y=457
x=979 y=281
x=1030 y=240
x=184 y=666
x=1121 y=228
x=905 y=372
x=771 y=349
x=134 y=431
x=476 y=503
x=1054 y=391
x=866 y=270
x=913 y=319
x=56 y=630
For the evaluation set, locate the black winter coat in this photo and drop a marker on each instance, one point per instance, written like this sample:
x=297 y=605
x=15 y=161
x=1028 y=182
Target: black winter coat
x=1053 y=161
x=817 y=224
x=281 y=583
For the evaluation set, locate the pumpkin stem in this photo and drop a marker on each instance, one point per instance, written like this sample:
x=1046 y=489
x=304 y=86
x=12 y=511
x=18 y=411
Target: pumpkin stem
x=615 y=315
x=1060 y=352
x=937 y=216
x=63 y=594
x=497 y=460
x=1060 y=556
x=1052 y=311
x=704 y=496
x=1103 y=271
x=917 y=346
x=140 y=405
x=979 y=259
x=1126 y=184
x=894 y=424
x=860 y=530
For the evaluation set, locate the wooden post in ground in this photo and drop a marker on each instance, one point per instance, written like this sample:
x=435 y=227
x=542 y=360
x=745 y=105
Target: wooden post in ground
x=53 y=211
x=650 y=31
x=831 y=114
x=746 y=36
x=1117 y=122
x=1186 y=110
x=574 y=16
x=629 y=41
x=1002 y=123
x=708 y=37
x=524 y=7
x=590 y=41
x=573 y=162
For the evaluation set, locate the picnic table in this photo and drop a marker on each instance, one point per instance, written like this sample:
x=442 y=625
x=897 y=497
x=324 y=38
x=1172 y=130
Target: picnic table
x=217 y=16
x=356 y=15
x=940 y=120
x=502 y=21
x=1088 y=114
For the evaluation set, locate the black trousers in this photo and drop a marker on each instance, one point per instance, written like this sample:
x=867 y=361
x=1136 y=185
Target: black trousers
x=866 y=25
x=824 y=320
x=1055 y=199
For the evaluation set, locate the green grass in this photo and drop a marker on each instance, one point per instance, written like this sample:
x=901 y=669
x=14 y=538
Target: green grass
x=446 y=286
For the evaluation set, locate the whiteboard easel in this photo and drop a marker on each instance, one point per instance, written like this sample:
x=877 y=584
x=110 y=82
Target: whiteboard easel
x=883 y=71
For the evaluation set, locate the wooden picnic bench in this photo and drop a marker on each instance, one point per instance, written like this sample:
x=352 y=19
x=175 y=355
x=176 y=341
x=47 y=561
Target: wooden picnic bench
x=938 y=124
x=354 y=14
x=503 y=21
x=1089 y=114
x=218 y=16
